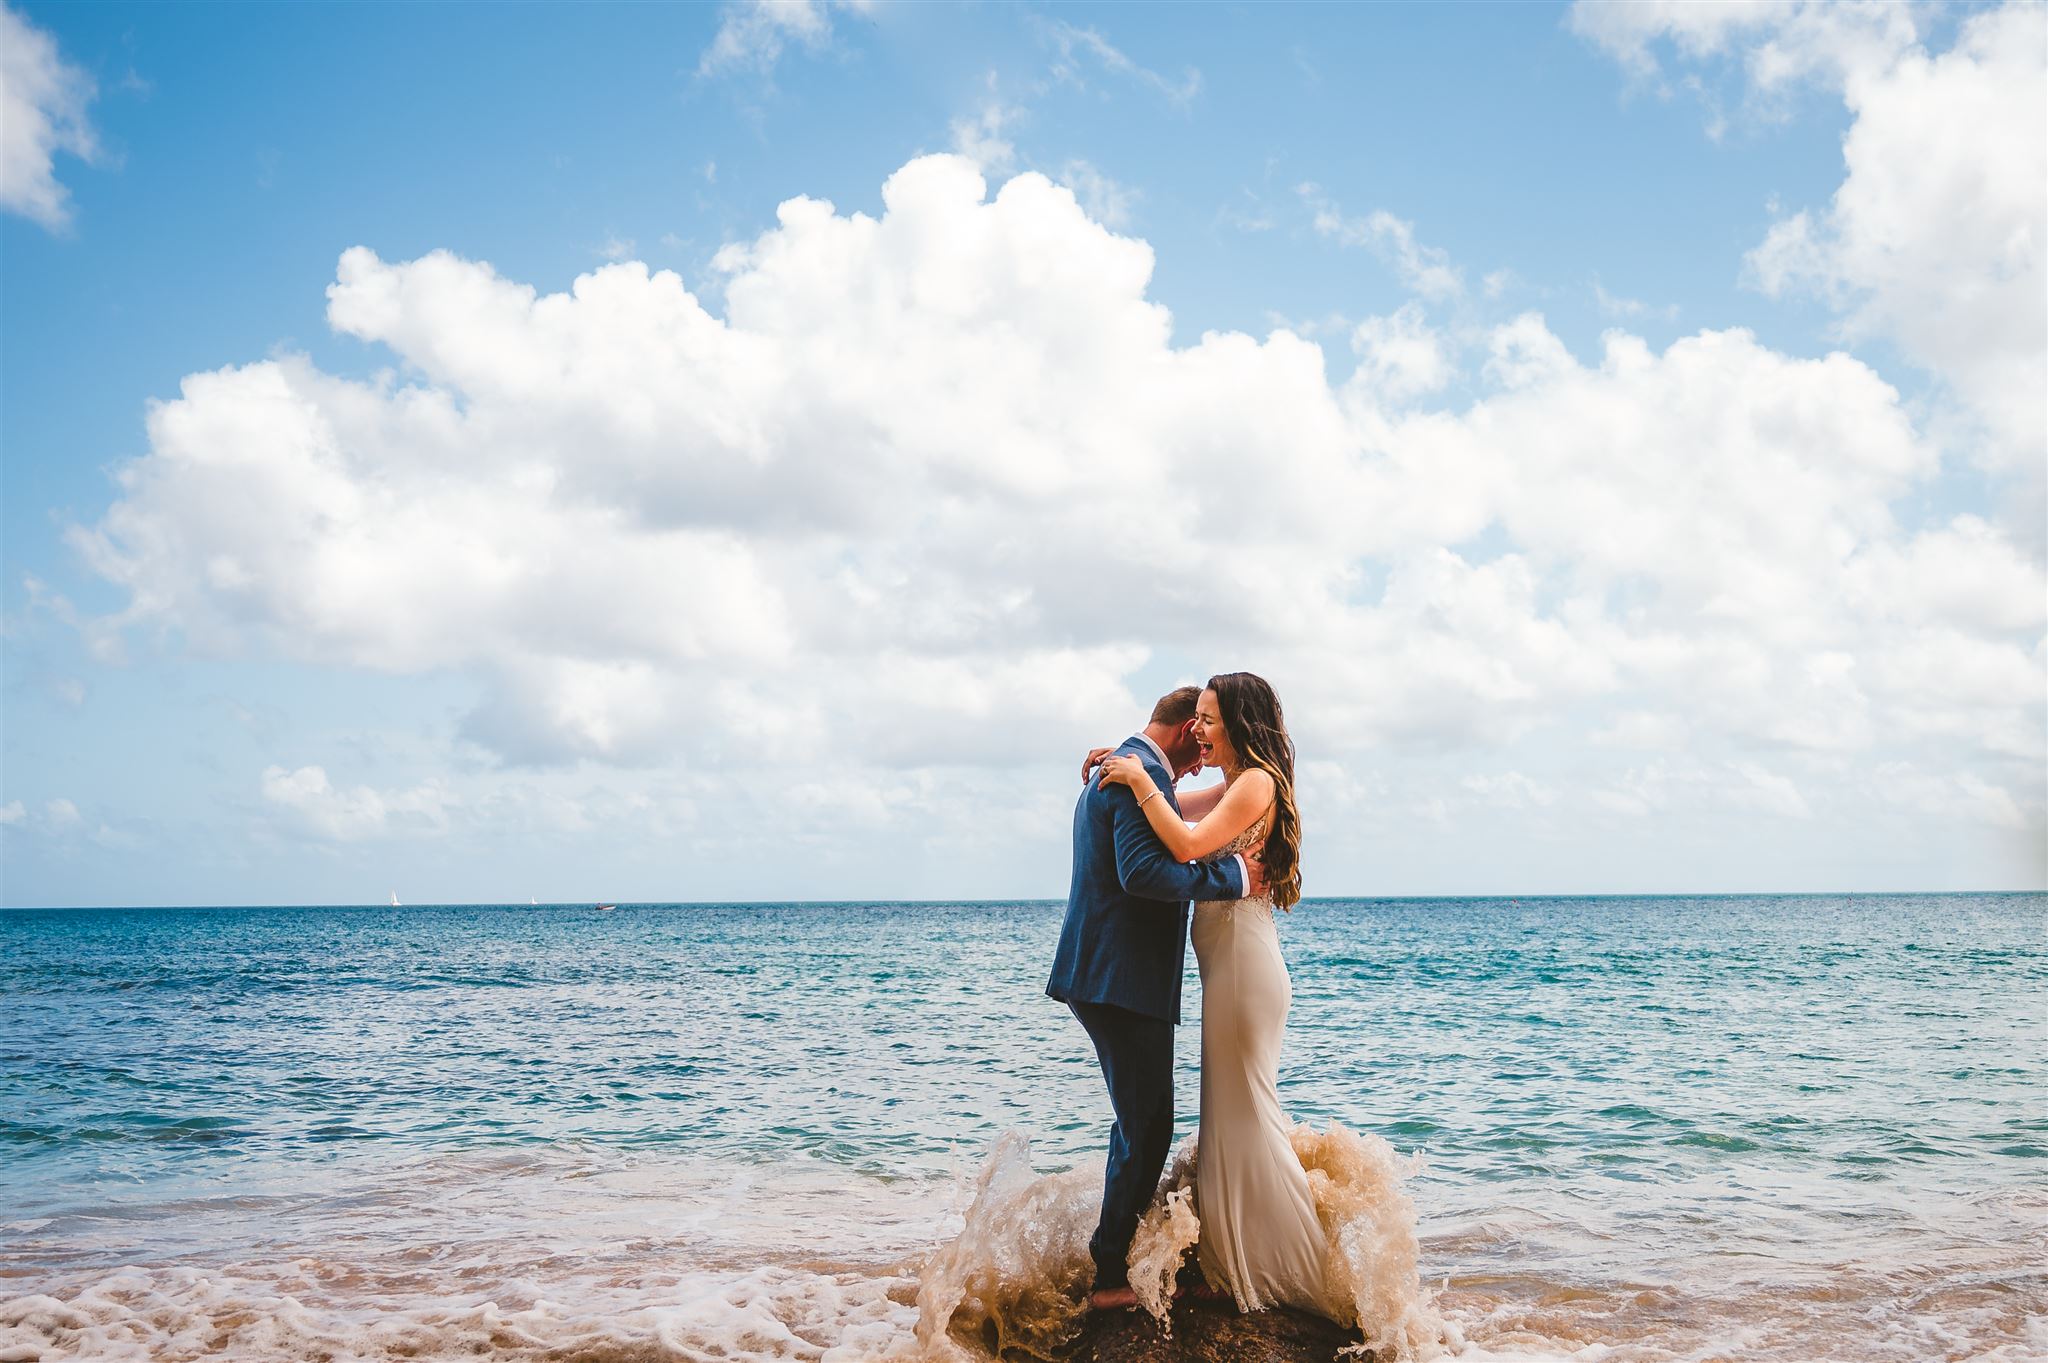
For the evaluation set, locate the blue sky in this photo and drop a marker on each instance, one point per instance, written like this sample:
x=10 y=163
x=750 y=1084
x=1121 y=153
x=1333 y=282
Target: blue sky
x=1498 y=686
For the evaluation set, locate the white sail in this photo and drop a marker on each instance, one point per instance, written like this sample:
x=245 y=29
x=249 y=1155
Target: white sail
x=394 y=899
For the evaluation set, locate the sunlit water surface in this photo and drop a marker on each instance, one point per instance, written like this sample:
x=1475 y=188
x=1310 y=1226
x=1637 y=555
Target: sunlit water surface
x=1650 y=1129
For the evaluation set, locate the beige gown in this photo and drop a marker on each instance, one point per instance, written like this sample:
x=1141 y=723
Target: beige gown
x=1260 y=1238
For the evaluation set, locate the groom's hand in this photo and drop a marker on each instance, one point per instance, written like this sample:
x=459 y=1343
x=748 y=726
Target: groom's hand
x=1255 y=871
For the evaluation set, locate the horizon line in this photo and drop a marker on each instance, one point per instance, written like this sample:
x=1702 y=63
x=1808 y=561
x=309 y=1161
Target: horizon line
x=961 y=902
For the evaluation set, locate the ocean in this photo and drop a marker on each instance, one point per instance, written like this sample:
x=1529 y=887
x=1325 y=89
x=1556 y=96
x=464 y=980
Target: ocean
x=1769 y=1127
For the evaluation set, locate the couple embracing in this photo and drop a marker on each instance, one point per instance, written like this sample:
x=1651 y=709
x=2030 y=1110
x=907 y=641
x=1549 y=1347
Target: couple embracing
x=1137 y=865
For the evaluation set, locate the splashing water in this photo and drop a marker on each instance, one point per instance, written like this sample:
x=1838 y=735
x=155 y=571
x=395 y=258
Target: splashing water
x=1369 y=1225
x=1015 y=1277
x=1168 y=1230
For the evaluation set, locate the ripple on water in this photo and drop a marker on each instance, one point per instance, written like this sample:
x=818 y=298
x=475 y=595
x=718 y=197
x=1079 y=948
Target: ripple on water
x=1698 y=1092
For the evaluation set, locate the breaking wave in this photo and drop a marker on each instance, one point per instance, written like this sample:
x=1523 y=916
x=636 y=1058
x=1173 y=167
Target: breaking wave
x=1015 y=1277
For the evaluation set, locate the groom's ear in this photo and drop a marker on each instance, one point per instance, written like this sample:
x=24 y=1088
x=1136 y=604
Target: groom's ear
x=1187 y=730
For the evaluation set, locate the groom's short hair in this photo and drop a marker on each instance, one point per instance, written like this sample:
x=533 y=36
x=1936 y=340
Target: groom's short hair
x=1176 y=707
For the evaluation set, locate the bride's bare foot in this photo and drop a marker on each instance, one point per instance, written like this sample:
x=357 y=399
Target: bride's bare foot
x=1112 y=1299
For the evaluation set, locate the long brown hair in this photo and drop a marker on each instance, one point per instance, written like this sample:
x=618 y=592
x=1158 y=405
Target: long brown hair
x=1257 y=729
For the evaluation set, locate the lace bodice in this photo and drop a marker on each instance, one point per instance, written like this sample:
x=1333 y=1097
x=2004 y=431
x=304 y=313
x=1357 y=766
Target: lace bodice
x=1246 y=842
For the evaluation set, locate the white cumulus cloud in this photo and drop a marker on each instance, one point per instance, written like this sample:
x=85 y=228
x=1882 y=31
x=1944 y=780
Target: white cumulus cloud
x=43 y=101
x=348 y=815
x=935 y=486
x=1400 y=356
x=980 y=137
x=1937 y=239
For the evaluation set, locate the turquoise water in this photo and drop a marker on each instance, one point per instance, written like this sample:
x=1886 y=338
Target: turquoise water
x=1775 y=1127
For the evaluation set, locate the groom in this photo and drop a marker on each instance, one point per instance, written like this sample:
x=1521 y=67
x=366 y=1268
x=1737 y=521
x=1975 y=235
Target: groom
x=1119 y=966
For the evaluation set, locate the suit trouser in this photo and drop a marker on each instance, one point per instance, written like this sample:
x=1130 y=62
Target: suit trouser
x=1137 y=1062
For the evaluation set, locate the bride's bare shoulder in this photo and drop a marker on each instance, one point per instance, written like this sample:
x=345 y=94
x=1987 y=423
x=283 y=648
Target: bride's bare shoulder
x=1258 y=784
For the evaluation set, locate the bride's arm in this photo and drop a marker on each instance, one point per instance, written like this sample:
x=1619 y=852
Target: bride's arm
x=1193 y=803
x=1196 y=804
x=1242 y=803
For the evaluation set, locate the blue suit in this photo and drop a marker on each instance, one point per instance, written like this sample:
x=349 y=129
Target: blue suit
x=1122 y=952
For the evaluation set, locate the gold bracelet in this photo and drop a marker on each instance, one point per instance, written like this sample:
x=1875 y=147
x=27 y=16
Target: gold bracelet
x=1141 y=803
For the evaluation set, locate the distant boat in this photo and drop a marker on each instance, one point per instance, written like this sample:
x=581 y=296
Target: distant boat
x=394 y=900
x=606 y=908
x=531 y=900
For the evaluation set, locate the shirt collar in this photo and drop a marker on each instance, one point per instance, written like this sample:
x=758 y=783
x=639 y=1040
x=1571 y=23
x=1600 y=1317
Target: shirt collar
x=1146 y=739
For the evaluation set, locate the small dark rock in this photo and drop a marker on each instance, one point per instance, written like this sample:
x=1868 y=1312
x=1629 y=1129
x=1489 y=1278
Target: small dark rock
x=1211 y=1332
x=1206 y=1331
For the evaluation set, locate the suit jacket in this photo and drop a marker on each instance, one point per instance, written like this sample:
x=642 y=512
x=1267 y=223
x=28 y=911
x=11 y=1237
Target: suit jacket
x=1124 y=941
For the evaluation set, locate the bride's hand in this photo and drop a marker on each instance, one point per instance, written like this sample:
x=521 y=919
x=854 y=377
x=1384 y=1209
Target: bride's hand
x=1095 y=755
x=1126 y=771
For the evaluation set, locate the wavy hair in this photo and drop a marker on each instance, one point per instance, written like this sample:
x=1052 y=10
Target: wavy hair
x=1251 y=716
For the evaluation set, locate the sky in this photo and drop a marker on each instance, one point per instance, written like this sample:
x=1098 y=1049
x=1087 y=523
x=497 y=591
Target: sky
x=663 y=453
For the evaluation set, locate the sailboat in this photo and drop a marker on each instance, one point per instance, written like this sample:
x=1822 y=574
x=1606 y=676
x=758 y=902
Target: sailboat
x=394 y=900
x=531 y=900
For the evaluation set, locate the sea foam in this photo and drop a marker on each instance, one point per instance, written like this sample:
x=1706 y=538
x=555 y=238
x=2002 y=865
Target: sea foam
x=184 y=1315
x=1015 y=1276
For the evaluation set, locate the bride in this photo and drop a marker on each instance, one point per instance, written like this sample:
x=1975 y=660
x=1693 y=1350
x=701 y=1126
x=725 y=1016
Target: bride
x=1260 y=1238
